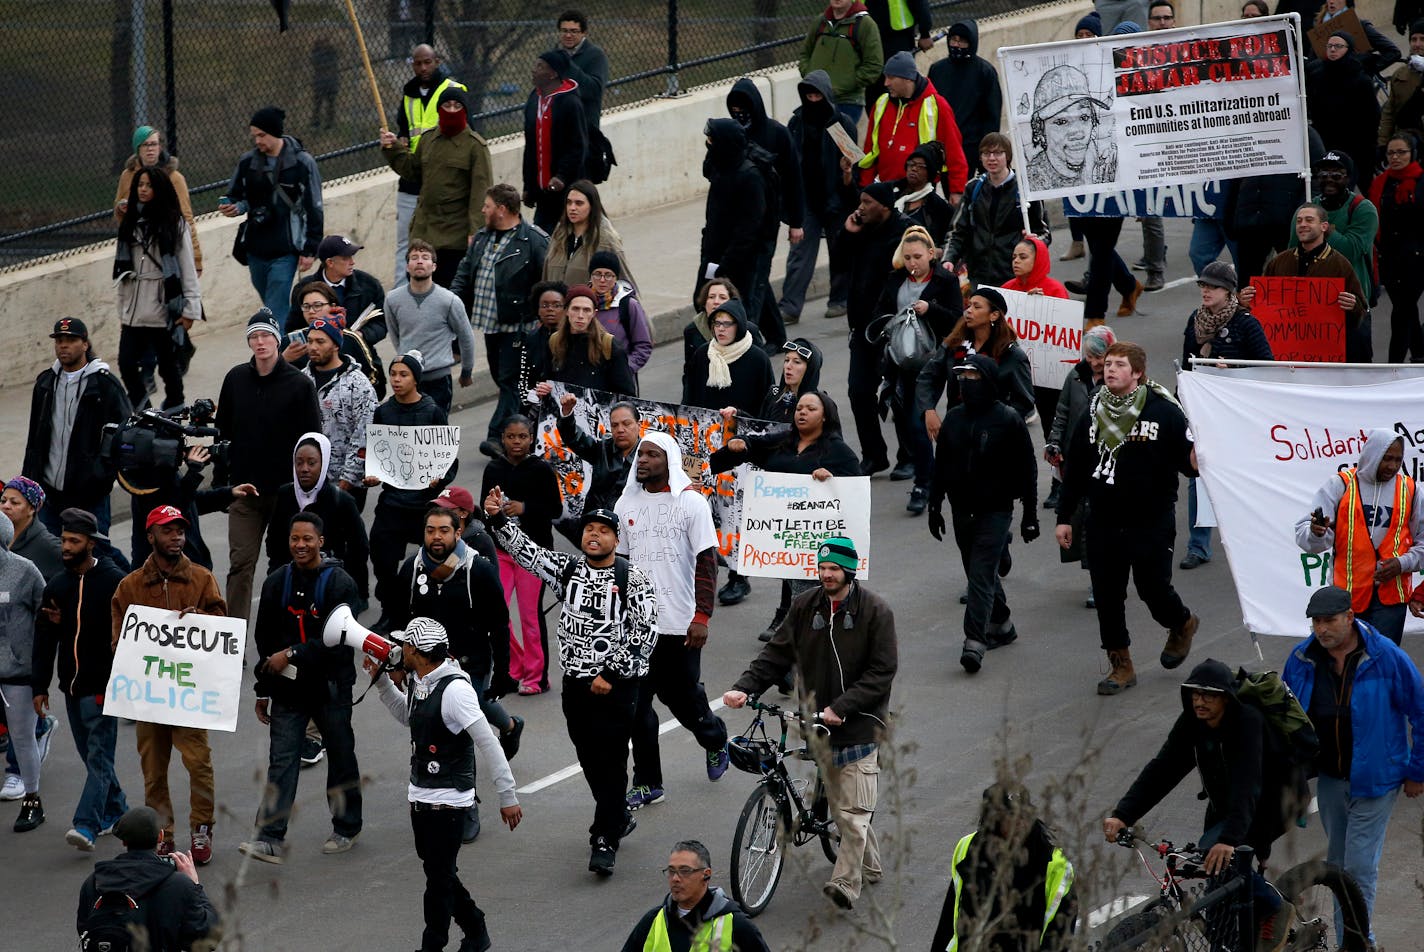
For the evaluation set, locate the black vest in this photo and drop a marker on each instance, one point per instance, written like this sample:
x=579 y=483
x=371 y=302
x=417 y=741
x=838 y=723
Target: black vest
x=439 y=759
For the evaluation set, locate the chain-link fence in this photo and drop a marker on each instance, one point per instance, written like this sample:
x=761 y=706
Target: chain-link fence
x=85 y=74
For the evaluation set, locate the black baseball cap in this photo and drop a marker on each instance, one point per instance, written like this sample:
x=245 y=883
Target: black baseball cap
x=70 y=327
x=333 y=246
x=606 y=516
x=1327 y=601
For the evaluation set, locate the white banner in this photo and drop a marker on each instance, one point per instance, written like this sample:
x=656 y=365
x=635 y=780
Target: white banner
x=186 y=671
x=1196 y=104
x=1050 y=331
x=786 y=517
x=410 y=457
x=1264 y=447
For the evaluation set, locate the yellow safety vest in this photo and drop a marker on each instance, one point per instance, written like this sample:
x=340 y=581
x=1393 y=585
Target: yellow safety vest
x=1057 y=880
x=900 y=18
x=714 y=935
x=422 y=118
x=928 y=125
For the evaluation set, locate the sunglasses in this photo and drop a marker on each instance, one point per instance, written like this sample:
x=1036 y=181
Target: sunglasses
x=801 y=349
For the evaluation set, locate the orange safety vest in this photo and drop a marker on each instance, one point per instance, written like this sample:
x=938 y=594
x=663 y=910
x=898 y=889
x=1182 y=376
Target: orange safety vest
x=1355 y=554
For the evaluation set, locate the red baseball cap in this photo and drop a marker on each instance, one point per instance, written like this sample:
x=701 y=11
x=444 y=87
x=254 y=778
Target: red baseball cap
x=456 y=497
x=163 y=515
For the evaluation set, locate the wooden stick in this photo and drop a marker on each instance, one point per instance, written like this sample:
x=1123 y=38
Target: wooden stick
x=366 y=61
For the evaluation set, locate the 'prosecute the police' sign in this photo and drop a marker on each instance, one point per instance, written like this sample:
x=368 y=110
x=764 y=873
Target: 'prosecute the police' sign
x=185 y=671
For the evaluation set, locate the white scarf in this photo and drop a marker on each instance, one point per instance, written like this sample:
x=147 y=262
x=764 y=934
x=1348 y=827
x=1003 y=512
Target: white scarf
x=905 y=199
x=304 y=498
x=720 y=359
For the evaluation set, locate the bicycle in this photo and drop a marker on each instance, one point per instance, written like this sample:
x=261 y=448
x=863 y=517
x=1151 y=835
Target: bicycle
x=1217 y=914
x=777 y=810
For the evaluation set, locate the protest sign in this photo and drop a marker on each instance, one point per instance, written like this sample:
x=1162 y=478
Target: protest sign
x=844 y=142
x=1300 y=317
x=186 y=671
x=1050 y=331
x=1264 y=446
x=786 y=517
x=698 y=432
x=1348 y=21
x=1195 y=200
x=1196 y=104
x=410 y=457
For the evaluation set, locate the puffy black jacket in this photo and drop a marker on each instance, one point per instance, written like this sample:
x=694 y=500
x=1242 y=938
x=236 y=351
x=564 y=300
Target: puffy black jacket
x=86 y=475
x=264 y=416
x=776 y=140
x=824 y=190
x=175 y=911
x=971 y=87
x=82 y=636
x=865 y=257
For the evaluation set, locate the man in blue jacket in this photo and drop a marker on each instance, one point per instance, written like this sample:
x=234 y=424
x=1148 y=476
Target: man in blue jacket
x=1365 y=754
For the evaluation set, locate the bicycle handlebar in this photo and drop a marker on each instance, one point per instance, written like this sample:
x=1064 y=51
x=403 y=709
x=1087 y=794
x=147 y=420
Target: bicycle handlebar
x=783 y=714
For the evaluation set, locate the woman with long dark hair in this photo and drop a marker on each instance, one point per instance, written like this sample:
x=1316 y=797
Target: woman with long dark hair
x=583 y=354
x=583 y=231
x=156 y=281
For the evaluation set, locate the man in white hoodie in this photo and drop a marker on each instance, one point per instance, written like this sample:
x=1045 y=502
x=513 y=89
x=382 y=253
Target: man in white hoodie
x=1371 y=519
x=668 y=533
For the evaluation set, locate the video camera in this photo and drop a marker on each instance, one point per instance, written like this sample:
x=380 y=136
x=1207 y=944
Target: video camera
x=148 y=448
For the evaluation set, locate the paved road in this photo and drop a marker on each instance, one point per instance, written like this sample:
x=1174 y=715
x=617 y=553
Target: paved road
x=1033 y=705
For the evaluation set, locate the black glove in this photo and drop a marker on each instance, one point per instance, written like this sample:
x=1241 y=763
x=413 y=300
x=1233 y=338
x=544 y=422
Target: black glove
x=1028 y=529
x=502 y=684
x=937 y=523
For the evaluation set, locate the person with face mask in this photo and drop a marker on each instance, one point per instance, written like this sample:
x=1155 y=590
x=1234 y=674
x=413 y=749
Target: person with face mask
x=970 y=85
x=984 y=461
x=739 y=212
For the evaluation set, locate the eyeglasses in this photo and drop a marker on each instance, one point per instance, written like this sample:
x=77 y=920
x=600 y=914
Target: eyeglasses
x=1337 y=46
x=724 y=323
x=792 y=347
x=315 y=307
x=604 y=275
x=999 y=152
x=1397 y=152
x=681 y=872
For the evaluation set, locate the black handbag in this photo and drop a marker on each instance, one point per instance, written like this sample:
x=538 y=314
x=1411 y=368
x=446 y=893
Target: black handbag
x=239 y=244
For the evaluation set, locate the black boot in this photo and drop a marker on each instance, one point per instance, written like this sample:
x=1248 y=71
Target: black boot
x=776 y=621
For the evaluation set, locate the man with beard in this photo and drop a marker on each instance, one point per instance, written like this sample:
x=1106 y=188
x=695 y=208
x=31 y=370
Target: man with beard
x=74 y=625
x=1353 y=219
x=669 y=533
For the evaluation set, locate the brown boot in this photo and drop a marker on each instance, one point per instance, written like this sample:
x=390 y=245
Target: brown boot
x=1075 y=251
x=1121 y=677
x=1179 y=642
x=1129 y=301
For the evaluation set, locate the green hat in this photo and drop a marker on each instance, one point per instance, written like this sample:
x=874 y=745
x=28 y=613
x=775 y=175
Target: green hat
x=141 y=134
x=839 y=550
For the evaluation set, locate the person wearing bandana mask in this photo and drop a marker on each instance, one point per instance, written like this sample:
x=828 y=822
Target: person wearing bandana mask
x=970 y=85
x=454 y=171
x=1124 y=457
x=984 y=461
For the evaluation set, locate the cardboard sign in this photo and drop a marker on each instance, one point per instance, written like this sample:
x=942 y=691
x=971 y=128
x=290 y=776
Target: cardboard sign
x=186 y=671
x=786 y=517
x=410 y=457
x=1300 y=317
x=1050 y=331
x=1346 y=20
x=845 y=143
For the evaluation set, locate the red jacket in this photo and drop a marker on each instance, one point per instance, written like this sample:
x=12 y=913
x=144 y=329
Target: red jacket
x=1038 y=278
x=889 y=142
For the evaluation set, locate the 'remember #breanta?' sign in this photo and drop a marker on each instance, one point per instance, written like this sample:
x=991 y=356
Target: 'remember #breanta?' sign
x=1050 y=331
x=410 y=457
x=1140 y=110
x=185 y=671
x=1264 y=446
x=786 y=517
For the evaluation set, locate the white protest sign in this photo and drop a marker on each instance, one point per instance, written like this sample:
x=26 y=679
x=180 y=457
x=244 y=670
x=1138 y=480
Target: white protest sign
x=1050 y=331
x=410 y=457
x=1264 y=447
x=1195 y=104
x=186 y=671
x=786 y=517
x=844 y=142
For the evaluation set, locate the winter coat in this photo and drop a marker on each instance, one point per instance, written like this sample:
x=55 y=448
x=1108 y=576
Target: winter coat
x=533 y=482
x=824 y=190
x=1335 y=263
x=1386 y=694
x=423 y=412
x=780 y=403
x=1267 y=201
x=849 y=50
x=290 y=615
x=987 y=225
x=290 y=226
x=1381 y=54
x=519 y=267
x=751 y=373
x=176 y=910
x=86 y=475
x=140 y=292
x=636 y=335
x=612 y=375
x=682 y=928
x=588 y=66
x=1229 y=761
x=41 y=547
x=411 y=93
x=848 y=665
x=169 y=164
x=1400 y=241
x=264 y=416
x=21 y=595
x=1344 y=109
x=971 y=87
x=1073 y=402
x=776 y=140
x=932 y=212
x=81 y=637
x=1404 y=106
x=1240 y=338
x=454 y=173
x=187 y=586
x=343 y=530
x=737 y=213
x=567 y=149
x=776 y=452
x=984 y=459
x=469 y=603
x=572 y=267
x=1038 y=279
x=936 y=377
x=865 y=257
x=348 y=403
x=942 y=295
x=610 y=466
x=358 y=292
x=889 y=142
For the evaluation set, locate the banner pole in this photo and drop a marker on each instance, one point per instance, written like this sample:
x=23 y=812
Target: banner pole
x=366 y=62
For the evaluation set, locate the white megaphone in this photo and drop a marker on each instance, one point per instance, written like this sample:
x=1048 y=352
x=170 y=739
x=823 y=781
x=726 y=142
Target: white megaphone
x=342 y=628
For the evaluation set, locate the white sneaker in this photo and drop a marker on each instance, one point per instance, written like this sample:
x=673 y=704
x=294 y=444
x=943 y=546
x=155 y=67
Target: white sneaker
x=14 y=788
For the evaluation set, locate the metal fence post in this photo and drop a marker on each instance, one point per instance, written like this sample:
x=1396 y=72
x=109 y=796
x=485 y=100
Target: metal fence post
x=672 y=87
x=170 y=99
x=430 y=21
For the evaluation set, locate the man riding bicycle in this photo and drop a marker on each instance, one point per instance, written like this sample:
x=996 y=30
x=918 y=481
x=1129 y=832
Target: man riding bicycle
x=1229 y=744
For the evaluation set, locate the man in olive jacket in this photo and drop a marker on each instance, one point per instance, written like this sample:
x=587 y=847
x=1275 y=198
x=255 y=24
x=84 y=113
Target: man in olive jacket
x=846 y=677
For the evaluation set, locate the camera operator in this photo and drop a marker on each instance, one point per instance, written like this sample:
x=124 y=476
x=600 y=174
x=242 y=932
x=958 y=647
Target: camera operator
x=442 y=710
x=182 y=491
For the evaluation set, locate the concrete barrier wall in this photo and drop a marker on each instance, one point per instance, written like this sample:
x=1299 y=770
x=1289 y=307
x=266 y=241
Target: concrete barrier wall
x=659 y=145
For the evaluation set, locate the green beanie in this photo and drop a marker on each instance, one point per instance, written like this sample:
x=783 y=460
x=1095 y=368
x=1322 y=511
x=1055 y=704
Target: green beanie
x=140 y=134
x=839 y=550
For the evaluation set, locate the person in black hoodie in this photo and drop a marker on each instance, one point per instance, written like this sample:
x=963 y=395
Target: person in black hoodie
x=296 y=601
x=800 y=375
x=729 y=370
x=970 y=85
x=181 y=489
x=744 y=104
x=264 y=406
x=984 y=462
x=174 y=911
x=738 y=211
x=74 y=624
x=400 y=513
x=916 y=195
x=827 y=196
x=1343 y=105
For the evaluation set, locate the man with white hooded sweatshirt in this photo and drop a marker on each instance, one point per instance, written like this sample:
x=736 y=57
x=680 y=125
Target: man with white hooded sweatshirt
x=1371 y=519
x=668 y=533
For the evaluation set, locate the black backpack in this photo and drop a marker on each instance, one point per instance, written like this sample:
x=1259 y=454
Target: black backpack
x=599 y=161
x=113 y=924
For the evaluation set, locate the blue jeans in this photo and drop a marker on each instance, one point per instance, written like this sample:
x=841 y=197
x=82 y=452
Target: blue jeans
x=1355 y=827
x=1208 y=238
x=343 y=776
x=1198 y=539
x=102 y=801
x=1387 y=619
x=272 y=278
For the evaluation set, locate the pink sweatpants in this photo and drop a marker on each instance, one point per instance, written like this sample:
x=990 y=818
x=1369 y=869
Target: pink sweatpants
x=529 y=656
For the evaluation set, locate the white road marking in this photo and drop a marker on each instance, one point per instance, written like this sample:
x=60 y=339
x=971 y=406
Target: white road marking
x=1105 y=914
x=573 y=770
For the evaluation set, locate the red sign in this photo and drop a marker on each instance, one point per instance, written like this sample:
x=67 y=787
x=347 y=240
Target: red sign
x=1300 y=317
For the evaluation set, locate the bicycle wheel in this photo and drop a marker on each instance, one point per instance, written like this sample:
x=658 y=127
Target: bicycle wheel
x=1153 y=929
x=757 y=850
x=821 y=810
x=1316 y=889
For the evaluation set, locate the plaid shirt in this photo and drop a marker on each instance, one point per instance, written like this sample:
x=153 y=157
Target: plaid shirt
x=841 y=756
x=484 y=304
